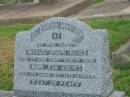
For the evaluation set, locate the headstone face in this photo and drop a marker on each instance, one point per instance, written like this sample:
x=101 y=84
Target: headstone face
x=62 y=57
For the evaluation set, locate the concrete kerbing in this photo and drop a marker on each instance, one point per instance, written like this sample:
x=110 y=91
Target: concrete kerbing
x=106 y=16
x=107 y=9
x=78 y=14
x=121 y=55
x=66 y=11
x=117 y=94
x=6 y=94
x=123 y=49
x=10 y=94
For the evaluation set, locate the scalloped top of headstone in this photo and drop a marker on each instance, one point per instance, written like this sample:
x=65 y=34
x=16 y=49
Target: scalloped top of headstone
x=62 y=24
x=62 y=57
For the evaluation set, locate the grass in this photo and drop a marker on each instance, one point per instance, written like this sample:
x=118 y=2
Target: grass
x=119 y=33
x=7 y=37
x=121 y=80
x=119 y=30
x=99 y=1
x=9 y=32
x=6 y=77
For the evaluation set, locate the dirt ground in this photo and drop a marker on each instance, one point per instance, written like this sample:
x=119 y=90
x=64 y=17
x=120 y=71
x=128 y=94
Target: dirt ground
x=111 y=6
x=107 y=7
x=31 y=10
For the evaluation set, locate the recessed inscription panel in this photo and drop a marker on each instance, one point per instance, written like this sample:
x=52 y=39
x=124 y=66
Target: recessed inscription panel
x=60 y=56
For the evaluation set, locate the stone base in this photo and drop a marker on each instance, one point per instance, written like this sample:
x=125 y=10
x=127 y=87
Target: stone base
x=117 y=94
x=10 y=94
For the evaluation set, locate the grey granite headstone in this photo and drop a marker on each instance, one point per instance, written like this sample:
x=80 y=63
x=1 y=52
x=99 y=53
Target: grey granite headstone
x=62 y=57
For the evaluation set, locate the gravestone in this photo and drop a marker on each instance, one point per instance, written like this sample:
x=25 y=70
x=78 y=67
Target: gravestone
x=62 y=57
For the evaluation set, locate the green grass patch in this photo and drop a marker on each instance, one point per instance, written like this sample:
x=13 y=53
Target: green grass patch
x=121 y=80
x=119 y=31
x=98 y=1
x=9 y=32
x=6 y=77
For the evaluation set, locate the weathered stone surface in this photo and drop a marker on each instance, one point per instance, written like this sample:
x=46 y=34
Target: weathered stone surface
x=62 y=57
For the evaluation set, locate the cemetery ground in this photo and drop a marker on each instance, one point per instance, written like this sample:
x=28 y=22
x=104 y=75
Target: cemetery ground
x=119 y=33
x=107 y=9
x=25 y=13
x=33 y=13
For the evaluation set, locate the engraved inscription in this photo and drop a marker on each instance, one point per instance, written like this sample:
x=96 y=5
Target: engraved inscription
x=62 y=57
